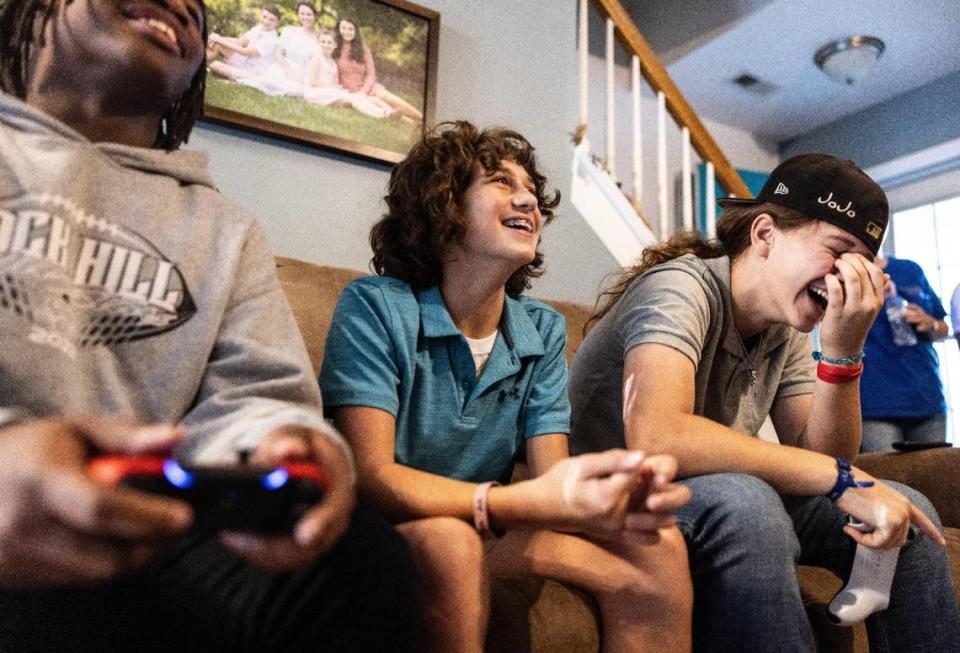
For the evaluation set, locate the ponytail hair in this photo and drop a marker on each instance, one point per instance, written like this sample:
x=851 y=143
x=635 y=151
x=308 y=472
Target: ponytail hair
x=733 y=239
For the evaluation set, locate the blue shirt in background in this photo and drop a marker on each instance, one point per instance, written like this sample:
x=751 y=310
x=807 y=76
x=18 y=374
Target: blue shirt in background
x=398 y=350
x=902 y=381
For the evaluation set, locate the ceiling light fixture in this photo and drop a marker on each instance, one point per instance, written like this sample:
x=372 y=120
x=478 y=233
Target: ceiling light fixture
x=847 y=61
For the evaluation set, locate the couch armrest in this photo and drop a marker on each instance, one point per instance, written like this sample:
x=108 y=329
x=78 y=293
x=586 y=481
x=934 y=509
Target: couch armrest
x=934 y=472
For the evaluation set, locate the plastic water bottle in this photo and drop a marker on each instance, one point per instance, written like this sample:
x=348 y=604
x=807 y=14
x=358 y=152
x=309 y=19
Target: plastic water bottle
x=903 y=333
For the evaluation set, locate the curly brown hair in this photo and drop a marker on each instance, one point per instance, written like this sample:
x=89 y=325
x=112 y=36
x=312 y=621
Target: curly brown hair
x=733 y=239
x=424 y=201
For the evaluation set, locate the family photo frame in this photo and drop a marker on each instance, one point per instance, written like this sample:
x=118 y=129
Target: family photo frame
x=354 y=76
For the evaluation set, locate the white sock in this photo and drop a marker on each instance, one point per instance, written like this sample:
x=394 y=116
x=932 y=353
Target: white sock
x=868 y=588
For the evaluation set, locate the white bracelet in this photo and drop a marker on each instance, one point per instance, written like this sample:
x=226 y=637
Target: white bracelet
x=14 y=415
x=481 y=510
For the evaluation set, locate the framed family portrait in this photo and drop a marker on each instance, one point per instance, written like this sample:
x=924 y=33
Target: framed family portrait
x=357 y=76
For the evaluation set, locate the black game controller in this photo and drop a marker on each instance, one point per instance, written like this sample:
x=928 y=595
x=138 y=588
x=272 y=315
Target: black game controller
x=239 y=498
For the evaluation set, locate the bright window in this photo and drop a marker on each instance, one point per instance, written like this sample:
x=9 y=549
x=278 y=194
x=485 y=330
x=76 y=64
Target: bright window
x=930 y=236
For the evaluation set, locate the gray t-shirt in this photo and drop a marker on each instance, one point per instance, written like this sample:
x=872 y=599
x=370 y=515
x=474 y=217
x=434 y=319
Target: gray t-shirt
x=685 y=304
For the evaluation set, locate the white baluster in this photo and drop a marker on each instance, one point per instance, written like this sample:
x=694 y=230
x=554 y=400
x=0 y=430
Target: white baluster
x=584 y=46
x=637 y=131
x=711 y=202
x=611 y=117
x=665 y=218
x=685 y=183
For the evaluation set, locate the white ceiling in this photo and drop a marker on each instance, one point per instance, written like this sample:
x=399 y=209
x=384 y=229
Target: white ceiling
x=776 y=43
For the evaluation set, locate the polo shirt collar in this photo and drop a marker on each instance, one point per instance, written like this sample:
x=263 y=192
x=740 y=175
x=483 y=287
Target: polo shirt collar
x=434 y=315
x=521 y=330
x=516 y=326
x=776 y=334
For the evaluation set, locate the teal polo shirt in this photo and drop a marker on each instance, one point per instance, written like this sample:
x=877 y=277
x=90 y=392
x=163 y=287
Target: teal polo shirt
x=396 y=349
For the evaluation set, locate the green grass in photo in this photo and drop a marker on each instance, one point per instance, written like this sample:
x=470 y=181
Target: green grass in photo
x=343 y=122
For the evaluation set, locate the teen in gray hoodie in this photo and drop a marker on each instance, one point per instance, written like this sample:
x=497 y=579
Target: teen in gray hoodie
x=139 y=306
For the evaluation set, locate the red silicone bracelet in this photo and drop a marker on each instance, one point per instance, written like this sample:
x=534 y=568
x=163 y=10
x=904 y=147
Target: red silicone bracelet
x=839 y=373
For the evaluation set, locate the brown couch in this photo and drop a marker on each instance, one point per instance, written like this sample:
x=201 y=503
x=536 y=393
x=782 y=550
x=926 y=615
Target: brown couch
x=548 y=616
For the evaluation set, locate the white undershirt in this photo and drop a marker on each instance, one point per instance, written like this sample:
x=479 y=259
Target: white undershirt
x=480 y=348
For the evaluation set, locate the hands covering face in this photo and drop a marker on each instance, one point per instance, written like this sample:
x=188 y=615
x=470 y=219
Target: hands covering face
x=855 y=294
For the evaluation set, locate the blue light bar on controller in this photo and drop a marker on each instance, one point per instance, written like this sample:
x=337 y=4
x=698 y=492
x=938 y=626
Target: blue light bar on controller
x=276 y=479
x=177 y=475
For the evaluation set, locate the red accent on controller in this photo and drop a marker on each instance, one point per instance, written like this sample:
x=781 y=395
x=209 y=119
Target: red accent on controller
x=309 y=471
x=111 y=470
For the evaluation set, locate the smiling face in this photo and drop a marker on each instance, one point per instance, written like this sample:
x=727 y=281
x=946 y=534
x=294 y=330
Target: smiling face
x=348 y=31
x=503 y=221
x=307 y=17
x=327 y=43
x=798 y=261
x=147 y=52
x=268 y=22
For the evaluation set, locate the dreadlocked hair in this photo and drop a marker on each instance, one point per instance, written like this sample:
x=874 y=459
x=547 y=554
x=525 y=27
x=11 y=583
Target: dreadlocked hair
x=23 y=25
x=424 y=202
x=733 y=239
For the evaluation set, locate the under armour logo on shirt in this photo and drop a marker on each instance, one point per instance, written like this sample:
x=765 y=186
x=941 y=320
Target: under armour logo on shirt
x=514 y=393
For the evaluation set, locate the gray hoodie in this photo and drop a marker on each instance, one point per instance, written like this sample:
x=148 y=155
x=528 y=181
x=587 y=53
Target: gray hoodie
x=129 y=286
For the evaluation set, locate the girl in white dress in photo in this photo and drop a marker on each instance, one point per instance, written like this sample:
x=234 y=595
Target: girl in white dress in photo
x=323 y=82
x=298 y=45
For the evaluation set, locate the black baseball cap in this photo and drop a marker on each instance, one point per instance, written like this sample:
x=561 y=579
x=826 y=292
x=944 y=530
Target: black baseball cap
x=830 y=189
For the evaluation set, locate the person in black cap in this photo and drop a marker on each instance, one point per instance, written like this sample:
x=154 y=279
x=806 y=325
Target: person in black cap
x=696 y=345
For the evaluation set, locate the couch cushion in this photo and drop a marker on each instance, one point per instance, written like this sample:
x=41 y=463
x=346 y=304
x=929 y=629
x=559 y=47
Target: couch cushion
x=576 y=316
x=312 y=291
x=931 y=472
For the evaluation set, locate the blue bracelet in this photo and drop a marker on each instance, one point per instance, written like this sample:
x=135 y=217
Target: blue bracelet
x=846 y=360
x=845 y=480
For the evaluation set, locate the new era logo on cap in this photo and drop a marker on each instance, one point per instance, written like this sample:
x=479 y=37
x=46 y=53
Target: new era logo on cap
x=827 y=188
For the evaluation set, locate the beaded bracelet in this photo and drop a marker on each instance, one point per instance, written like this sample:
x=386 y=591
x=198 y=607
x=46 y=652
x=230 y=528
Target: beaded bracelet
x=846 y=360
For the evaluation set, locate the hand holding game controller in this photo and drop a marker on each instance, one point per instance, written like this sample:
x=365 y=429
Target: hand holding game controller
x=867 y=590
x=57 y=525
x=323 y=524
x=276 y=511
x=241 y=498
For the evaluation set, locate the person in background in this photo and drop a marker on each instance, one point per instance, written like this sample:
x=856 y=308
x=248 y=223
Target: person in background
x=901 y=396
x=141 y=310
x=440 y=372
x=249 y=54
x=358 y=73
x=297 y=45
x=323 y=82
x=955 y=313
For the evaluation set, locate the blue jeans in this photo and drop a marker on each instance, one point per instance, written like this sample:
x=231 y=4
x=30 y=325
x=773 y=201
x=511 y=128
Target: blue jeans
x=745 y=542
x=879 y=433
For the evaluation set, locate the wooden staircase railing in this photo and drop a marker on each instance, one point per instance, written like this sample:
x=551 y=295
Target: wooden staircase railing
x=659 y=79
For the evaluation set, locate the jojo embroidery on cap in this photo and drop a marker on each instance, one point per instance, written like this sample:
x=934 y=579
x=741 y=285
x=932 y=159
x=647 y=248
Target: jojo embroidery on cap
x=836 y=205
